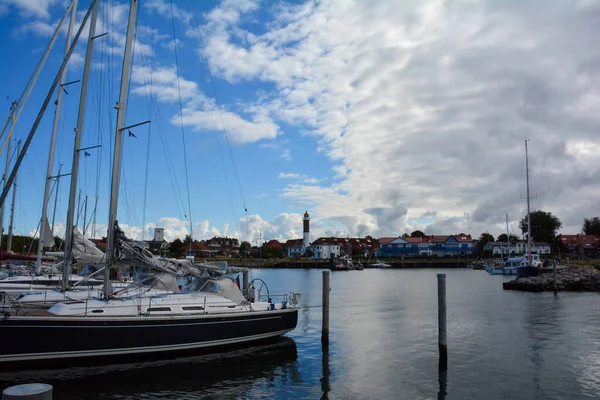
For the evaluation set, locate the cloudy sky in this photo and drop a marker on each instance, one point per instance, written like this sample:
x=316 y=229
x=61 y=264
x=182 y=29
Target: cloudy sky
x=378 y=117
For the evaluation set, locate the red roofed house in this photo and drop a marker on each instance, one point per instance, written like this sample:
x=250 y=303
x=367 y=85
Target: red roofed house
x=325 y=248
x=273 y=244
x=579 y=243
x=294 y=247
x=330 y=247
x=196 y=250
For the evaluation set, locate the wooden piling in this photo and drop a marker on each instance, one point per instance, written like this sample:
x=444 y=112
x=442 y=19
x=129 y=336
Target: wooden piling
x=442 y=333
x=325 y=327
x=28 y=391
x=554 y=274
x=245 y=284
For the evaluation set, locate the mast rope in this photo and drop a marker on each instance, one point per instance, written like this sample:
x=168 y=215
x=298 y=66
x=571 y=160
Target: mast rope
x=201 y=45
x=187 y=180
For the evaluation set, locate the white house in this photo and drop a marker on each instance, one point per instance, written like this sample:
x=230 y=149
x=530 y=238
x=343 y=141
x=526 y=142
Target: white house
x=324 y=248
x=516 y=248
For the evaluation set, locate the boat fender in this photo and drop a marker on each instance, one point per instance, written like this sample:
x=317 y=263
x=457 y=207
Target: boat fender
x=272 y=307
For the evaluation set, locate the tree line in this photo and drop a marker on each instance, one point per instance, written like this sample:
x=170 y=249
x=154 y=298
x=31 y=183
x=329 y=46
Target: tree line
x=544 y=226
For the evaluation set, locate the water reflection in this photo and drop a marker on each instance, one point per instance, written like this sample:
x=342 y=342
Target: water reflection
x=242 y=372
x=325 y=376
x=443 y=383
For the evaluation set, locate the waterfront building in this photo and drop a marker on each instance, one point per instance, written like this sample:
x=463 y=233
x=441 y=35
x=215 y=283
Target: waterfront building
x=325 y=248
x=293 y=247
x=438 y=245
x=516 y=248
x=581 y=244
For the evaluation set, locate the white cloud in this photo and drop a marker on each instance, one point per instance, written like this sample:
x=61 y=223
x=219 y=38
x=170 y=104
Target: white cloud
x=303 y=178
x=200 y=112
x=424 y=105
x=28 y=8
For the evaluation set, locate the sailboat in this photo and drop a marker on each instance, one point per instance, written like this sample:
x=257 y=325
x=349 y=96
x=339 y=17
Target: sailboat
x=212 y=312
x=527 y=268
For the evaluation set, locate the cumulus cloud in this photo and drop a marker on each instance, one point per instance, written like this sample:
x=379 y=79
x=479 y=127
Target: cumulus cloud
x=430 y=101
x=200 y=112
x=28 y=8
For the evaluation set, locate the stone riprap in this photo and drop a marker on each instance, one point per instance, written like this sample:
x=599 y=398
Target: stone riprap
x=569 y=279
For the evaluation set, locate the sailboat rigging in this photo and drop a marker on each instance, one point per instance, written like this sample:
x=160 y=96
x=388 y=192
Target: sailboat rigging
x=44 y=237
x=212 y=310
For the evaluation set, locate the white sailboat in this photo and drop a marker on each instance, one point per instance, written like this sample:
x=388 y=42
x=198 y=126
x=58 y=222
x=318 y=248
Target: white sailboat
x=530 y=264
x=212 y=312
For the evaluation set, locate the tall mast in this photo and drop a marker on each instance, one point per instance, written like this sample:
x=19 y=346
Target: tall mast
x=116 y=167
x=12 y=209
x=13 y=120
x=33 y=79
x=55 y=197
x=528 y=206
x=77 y=144
x=40 y=114
x=507 y=238
x=44 y=220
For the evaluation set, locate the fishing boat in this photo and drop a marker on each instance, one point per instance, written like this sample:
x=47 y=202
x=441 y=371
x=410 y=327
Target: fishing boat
x=213 y=312
x=343 y=264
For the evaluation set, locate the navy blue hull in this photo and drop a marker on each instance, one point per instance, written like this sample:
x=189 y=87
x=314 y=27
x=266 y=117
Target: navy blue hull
x=56 y=338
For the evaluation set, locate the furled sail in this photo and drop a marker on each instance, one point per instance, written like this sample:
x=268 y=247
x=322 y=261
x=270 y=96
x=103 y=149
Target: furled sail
x=85 y=251
x=48 y=238
x=131 y=252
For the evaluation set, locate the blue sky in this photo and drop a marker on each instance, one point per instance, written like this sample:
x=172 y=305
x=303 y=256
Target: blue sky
x=378 y=117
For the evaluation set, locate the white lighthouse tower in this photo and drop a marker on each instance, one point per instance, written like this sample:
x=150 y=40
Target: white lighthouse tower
x=306 y=234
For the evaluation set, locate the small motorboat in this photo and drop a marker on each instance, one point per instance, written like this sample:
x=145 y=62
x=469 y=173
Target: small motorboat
x=381 y=265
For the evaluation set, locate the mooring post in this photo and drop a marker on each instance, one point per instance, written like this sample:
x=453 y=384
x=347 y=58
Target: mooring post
x=28 y=391
x=245 y=284
x=554 y=273
x=442 y=336
x=325 y=328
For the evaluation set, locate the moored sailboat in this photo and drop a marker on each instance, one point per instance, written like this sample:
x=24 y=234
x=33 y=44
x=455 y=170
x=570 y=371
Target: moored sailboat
x=212 y=312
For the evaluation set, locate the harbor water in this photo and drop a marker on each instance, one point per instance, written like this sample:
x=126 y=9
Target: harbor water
x=383 y=344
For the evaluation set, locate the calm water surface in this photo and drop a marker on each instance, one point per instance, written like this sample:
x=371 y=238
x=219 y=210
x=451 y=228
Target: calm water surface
x=502 y=345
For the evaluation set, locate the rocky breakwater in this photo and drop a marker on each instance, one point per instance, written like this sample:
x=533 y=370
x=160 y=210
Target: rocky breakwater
x=568 y=279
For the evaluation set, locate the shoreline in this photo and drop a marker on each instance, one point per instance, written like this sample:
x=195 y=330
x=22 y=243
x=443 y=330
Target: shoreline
x=568 y=279
x=326 y=264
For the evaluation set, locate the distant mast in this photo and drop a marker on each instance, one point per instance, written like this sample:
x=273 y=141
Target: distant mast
x=528 y=206
x=507 y=239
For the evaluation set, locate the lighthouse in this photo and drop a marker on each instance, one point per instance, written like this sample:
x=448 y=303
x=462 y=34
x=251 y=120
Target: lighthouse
x=306 y=234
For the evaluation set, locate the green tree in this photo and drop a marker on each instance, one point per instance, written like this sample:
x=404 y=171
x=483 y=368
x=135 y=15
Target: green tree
x=187 y=240
x=175 y=246
x=543 y=226
x=405 y=235
x=244 y=247
x=591 y=226
x=417 y=233
x=502 y=238
x=484 y=239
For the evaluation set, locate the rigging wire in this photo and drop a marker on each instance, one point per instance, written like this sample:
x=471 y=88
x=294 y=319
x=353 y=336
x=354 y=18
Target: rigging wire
x=155 y=111
x=146 y=181
x=187 y=180
x=200 y=44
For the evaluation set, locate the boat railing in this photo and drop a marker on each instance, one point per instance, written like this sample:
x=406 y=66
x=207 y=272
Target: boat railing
x=291 y=299
x=10 y=306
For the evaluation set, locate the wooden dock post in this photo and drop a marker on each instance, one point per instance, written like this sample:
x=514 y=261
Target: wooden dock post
x=554 y=274
x=28 y=391
x=325 y=328
x=245 y=283
x=442 y=333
